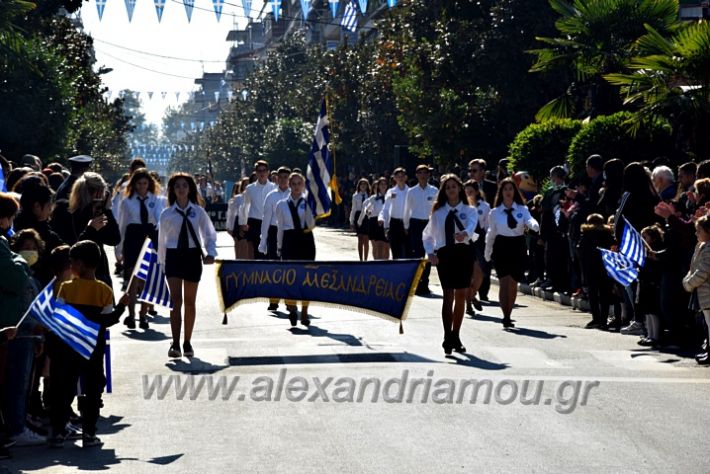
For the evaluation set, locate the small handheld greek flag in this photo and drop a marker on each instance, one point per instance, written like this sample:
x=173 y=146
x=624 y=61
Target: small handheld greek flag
x=632 y=245
x=65 y=321
x=619 y=267
x=349 y=21
x=155 y=290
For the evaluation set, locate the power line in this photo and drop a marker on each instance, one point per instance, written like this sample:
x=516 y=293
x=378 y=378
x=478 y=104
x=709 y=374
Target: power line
x=143 y=67
x=159 y=55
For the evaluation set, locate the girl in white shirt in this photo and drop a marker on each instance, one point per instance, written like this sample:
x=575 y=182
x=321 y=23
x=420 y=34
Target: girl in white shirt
x=505 y=243
x=295 y=222
x=184 y=226
x=371 y=210
x=138 y=218
x=242 y=248
x=477 y=200
x=447 y=240
x=358 y=205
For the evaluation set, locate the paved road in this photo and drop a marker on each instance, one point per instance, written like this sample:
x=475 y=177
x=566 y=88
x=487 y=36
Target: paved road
x=605 y=404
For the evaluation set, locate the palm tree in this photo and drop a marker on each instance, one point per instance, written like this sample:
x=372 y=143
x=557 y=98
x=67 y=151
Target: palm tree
x=10 y=33
x=672 y=80
x=597 y=37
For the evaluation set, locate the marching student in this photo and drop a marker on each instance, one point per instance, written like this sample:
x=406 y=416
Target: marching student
x=295 y=241
x=392 y=215
x=477 y=200
x=505 y=243
x=138 y=218
x=252 y=211
x=371 y=210
x=447 y=239
x=268 y=241
x=417 y=208
x=184 y=228
x=358 y=205
x=242 y=248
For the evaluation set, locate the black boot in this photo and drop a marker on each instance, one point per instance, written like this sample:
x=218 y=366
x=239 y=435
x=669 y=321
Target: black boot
x=456 y=343
x=447 y=343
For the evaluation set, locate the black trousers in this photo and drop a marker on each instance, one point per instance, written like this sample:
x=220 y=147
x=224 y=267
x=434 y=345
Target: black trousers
x=254 y=236
x=272 y=243
x=399 y=243
x=416 y=228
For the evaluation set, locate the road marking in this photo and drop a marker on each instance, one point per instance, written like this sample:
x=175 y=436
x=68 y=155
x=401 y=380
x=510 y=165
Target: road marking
x=524 y=358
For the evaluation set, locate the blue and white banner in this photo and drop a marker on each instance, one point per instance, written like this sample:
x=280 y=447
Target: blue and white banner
x=155 y=290
x=349 y=21
x=382 y=287
x=620 y=268
x=320 y=174
x=632 y=245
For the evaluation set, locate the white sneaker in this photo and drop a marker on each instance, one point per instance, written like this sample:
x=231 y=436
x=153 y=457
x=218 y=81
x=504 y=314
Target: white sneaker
x=634 y=329
x=28 y=438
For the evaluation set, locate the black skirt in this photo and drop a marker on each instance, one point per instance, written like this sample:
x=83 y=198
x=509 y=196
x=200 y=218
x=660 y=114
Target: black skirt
x=375 y=230
x=185 y=264
x=455 y=267
x=298 y=245
x=254 y=232
x=361 y=229
x=132 y=245
x=510 y=256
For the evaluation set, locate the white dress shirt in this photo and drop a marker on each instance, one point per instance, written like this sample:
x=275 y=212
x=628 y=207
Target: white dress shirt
x=484 y=211
x=284 y=221
x=498 y=225
x=371 y=208
x=434 y=235
x=358 y=205
x=117 y=199
x=254 y=197
x=233 y=210
x=272 y=199
x=171 y=223
x=395 y=198
x=419 y=203
x=130 y=213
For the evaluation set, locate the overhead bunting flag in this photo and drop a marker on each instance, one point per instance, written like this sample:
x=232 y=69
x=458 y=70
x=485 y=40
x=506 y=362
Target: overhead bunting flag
x=230 y=94
x=163 y=94
x=349 y=21
x=320 y=174
x=218 y=4
x=246 y=4
x=306 y=8
x=275 y=8
x=363 y=6
x=391 y=3
x=100 y=5
x=189 y=4
x=150 y=95
x=216 y=96
x=130 y=5
x=159 y=7
x=334 y=7
x=177 y=96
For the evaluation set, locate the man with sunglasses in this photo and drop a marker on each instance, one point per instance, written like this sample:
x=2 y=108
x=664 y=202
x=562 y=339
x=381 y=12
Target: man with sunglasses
x=252 y=211
x=477 y=172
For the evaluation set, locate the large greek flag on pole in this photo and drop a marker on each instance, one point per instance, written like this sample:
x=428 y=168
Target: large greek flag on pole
x=632 y=245
x=155 y=290
x=619 y=267
x=65 y=321
x=320 y=175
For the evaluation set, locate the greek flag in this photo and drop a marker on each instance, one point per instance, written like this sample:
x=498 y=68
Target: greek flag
x=620 y=268
x=155 y=290
x=632 y=245
x=320 y=174
x=65 y=321
x=349 y=21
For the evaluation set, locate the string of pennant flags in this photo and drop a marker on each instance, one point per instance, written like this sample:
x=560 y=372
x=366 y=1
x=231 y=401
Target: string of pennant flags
x=349 y=20
x=165 y=95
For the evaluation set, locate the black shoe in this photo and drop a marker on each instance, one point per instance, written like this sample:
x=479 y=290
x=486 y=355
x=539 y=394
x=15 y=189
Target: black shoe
x=187 y=350
x=483 y=297
x=703 y=358
x=469 y=310
x=646 y=342
x=143 y=323
x=458 y=346
x=130 y=322
x=507 y=323
x=477 y=304
x=273 y=307
x=306 y=321
x=447 y=346
x=593 y=325
x=153 y=312
x=4 y=453
x=425 y=291
x=293 y=317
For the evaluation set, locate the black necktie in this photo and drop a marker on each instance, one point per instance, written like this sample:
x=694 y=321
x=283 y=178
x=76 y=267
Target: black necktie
x=512 y=223
x=380 y=198
x=183 y=239
x=144 y=211
x=449 y=224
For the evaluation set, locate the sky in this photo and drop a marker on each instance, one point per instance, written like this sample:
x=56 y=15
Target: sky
x=202 y=42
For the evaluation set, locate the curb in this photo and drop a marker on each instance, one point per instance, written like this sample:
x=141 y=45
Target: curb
x=580 y=304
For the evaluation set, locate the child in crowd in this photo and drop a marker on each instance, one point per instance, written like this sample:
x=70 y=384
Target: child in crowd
x=596 y=235
x=648 y=299
x=697 y=280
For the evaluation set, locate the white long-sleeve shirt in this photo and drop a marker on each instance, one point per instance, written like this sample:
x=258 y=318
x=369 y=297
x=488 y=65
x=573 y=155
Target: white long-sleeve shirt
x=371 y=208
x=254 y=197
x=284 y=221
x=419 y=203
x=358 y=205
x=171 y=223
x=117 y=199
x=395 y=198
x=272 y=199
x=130 y=213
x=484 y=211
x=233 y=210
x=498 y=225
x=434 y=235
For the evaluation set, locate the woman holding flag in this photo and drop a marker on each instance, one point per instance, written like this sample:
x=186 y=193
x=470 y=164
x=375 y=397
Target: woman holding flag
x=184 y=226
x=138 y=219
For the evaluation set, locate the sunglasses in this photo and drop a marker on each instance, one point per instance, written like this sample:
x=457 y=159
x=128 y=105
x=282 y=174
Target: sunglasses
x=474 y=170
x=262 y=170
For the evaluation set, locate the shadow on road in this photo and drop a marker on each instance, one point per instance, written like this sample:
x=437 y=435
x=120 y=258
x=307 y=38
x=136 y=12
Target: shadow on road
x=145 y=335
x=193 y=365
x=470 y=360
x=367 y=357
x=315 y=331
x=73 y=456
